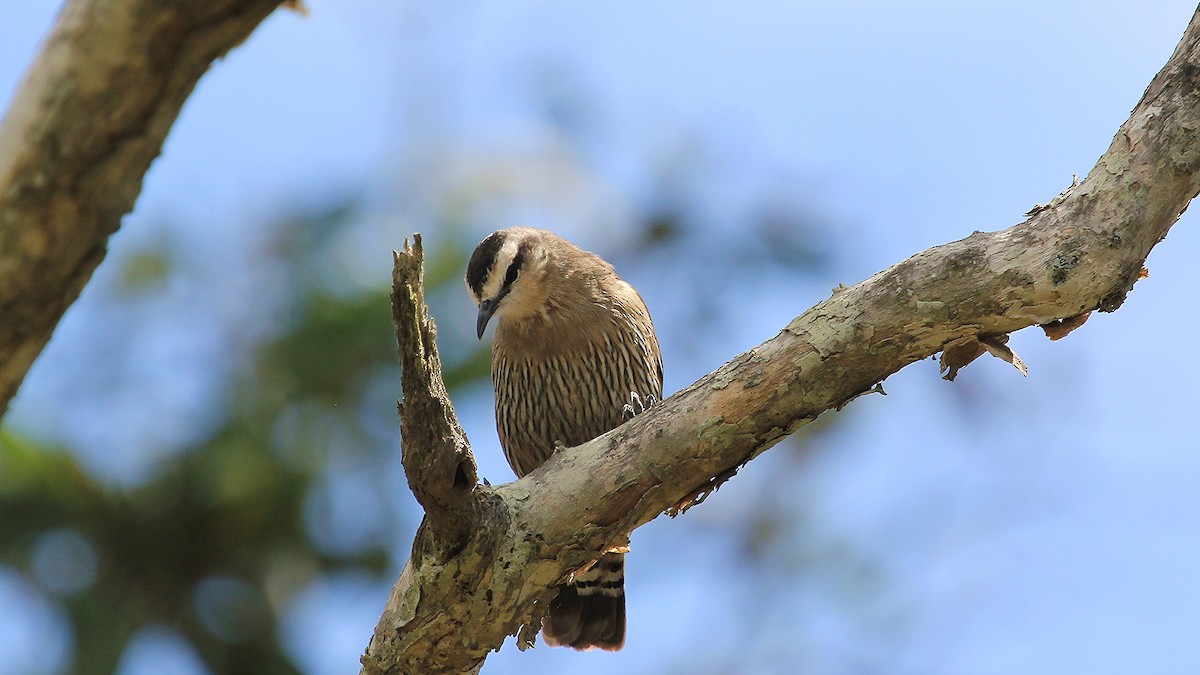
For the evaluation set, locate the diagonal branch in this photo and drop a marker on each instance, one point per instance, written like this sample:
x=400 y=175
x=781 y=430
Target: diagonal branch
x=81 y=132
x=1081 y=252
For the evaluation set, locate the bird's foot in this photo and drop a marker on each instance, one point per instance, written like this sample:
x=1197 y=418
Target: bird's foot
x=637 y=405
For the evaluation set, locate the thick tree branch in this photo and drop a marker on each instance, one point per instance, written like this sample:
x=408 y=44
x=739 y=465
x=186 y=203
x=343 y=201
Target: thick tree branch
x=1083 y=251
x=80 y=134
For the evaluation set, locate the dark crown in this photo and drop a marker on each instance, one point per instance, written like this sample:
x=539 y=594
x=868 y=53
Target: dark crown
x=482 y=261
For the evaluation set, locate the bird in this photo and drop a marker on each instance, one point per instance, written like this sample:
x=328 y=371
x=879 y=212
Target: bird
x=574 y=355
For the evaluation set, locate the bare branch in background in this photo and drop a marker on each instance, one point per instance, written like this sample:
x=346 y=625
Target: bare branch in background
x=83 y=127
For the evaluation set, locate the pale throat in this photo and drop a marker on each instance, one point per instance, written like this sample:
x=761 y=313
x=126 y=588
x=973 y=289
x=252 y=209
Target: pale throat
x=531 y=314
x=542 y=322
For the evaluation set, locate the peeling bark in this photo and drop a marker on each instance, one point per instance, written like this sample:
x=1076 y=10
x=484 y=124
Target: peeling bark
x=1081 y=252
x=90 y=116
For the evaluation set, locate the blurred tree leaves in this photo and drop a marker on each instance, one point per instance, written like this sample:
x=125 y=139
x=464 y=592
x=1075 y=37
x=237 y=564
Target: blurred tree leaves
x=214 y=545
x=328 y=353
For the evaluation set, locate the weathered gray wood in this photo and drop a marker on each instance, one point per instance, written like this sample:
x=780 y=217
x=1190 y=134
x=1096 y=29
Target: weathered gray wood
x=82 y=129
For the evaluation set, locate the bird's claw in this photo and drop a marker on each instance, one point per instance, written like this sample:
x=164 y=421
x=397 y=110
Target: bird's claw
x=637 y=405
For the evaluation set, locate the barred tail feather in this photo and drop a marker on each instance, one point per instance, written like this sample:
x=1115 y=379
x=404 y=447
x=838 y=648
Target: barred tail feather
x=589 y=613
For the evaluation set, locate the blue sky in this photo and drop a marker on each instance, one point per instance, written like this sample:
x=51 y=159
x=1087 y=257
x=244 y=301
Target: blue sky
x=998 y=524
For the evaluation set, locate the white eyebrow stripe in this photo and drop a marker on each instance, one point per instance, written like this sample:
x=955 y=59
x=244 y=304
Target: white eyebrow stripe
x=504 y=258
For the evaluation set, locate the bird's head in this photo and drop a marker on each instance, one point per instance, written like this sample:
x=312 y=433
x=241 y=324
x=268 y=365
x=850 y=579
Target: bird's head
x=507 y=274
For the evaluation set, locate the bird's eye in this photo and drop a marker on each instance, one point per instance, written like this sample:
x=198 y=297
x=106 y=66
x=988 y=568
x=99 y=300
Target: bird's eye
x=511 y=275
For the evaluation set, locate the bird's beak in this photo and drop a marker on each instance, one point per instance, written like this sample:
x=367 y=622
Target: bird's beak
x=486 y=309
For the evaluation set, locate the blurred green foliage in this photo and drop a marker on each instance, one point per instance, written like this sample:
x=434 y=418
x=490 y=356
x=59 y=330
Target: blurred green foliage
x=215 y=544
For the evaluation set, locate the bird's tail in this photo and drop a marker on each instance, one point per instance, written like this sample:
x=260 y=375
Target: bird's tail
x=589 y=613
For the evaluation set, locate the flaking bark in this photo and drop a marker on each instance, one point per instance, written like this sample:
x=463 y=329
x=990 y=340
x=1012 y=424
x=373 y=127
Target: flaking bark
x=80 y=134
x=1081 y=252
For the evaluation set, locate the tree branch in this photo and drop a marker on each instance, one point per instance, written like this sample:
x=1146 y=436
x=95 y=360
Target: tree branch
x=1083 y=251
x=434 y=450
x=80 y=134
